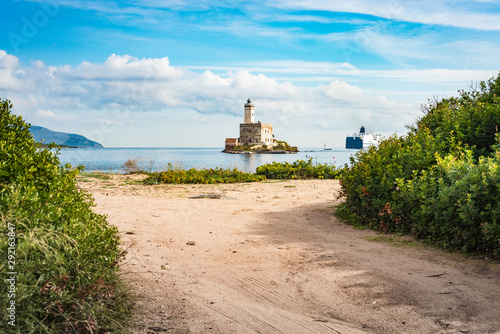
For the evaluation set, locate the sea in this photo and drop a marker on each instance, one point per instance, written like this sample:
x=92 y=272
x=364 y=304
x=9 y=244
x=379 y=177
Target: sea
x=112 y=160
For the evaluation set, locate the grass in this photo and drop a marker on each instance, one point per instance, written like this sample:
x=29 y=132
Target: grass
x=94 y=175
x=67 y=260
x=131 y=182
x=83 y=180
x=65 y=255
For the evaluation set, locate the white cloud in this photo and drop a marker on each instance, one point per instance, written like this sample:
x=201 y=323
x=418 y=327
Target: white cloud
x=447 y=13
x=286 y=67
x=49 y=115
x=9 y=65
x=435 y=48
x=45 y=113
x=124 y=68
x=309 y=71
x=131 y=87
x=433 y=75
x=473 y=14
x=341 y=91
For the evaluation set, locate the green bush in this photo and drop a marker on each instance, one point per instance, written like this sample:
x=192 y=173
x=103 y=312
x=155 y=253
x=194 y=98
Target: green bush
x=439 y=182
x=457 y=203
x=242 y=148
x=299 y=169
x=204 y=176
x=64 y=254
x=281 y=145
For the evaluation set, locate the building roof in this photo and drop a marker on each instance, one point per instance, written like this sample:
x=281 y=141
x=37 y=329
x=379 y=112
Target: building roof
x=256 y=125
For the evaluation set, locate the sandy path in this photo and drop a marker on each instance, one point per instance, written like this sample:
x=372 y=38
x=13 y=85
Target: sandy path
x=271 y=258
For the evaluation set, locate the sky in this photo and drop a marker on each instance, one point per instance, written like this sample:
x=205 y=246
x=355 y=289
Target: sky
x=176 y=73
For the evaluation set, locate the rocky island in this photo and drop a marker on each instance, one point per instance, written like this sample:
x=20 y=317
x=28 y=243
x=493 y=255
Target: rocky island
x=256 y=137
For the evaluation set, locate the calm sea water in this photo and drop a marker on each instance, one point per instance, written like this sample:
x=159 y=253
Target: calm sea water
x=155 y=159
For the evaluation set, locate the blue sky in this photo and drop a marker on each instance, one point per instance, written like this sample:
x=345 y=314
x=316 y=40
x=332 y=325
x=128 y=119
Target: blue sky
x=173 y=73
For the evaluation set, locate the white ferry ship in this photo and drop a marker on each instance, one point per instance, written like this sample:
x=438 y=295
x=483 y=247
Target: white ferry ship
x=362 y=139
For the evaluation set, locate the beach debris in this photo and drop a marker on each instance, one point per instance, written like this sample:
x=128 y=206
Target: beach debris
x=212 y=196
x=191 y=243
x=165 y=267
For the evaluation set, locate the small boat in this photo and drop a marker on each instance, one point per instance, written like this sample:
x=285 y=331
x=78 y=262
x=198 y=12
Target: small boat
x=327 y=148
x=362 y=139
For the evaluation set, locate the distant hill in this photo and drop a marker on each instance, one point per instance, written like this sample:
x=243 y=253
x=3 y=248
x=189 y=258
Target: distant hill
x=61 y=138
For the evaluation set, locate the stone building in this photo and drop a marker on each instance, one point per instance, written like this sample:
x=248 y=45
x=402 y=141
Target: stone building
x=252 y=133
x=231 y=143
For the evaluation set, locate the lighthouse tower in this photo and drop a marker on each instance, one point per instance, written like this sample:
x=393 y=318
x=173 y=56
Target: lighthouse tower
x=249 y=107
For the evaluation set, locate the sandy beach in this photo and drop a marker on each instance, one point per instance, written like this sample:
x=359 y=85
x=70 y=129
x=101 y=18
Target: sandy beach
x=271 y=258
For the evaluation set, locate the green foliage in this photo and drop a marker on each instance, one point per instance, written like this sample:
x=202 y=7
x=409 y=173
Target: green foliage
x=204 y=176
x=242 y=148
x=282 y=146
x=94 y=175
x=65 y=254
x=471 y=119
x=458 y=203
x=439 y=182
x=299 y=169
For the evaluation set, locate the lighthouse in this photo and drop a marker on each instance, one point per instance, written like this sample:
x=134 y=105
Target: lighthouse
x=252 y=133
x=255 y=137
x=249 y=109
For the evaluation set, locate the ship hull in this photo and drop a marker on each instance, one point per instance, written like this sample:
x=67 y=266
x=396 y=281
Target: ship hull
x=354 y=142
